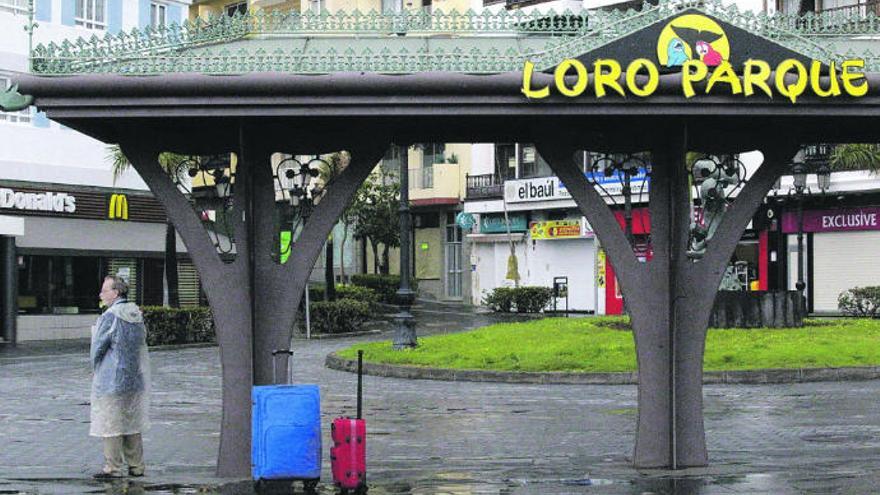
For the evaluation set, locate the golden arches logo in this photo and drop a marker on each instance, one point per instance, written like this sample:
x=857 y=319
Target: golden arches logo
x=692 y=37
x=118 y=207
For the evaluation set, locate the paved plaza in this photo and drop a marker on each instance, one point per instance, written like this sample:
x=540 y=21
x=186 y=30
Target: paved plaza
x=429 y=437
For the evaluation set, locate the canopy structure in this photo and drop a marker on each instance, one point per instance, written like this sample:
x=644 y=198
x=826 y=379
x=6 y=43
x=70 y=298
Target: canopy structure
x=259 y=85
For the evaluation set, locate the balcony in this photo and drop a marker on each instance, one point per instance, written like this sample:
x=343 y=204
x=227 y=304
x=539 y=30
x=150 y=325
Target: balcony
x=485 y=186
x=857 y=10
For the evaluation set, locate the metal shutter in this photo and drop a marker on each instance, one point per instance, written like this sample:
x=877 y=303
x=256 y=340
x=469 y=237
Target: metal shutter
x=188 y=283
x=841 y=261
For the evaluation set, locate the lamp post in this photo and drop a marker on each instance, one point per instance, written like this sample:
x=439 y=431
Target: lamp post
x=404 y=322
x=815 y=156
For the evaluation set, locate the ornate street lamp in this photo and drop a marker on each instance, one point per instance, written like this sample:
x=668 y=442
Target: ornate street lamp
x=715 y=180
x=814 y=156
x=404 y=322
x=608 y=169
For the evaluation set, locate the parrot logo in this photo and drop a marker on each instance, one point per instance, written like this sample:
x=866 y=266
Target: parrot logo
x=676 y=53
x=708 y=54
x=692 y=37
x=701 y=40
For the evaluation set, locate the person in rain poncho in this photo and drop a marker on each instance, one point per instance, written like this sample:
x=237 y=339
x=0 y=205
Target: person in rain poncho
x=121 y=381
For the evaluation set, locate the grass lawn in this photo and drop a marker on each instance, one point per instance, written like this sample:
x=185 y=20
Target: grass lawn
x=605 y=344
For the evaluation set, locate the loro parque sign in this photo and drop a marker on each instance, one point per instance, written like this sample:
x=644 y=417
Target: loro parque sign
x=703 y=51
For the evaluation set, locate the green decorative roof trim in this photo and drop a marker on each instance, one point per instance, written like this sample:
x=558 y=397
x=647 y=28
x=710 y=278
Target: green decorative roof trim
x=470 y=42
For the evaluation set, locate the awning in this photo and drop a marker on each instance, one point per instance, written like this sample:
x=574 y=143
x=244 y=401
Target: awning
x=94 y=235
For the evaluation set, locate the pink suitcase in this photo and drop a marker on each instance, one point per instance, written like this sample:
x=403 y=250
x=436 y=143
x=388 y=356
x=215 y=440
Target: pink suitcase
x=348 y=456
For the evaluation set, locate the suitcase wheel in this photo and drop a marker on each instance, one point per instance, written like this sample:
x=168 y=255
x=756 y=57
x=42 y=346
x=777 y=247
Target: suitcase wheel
x=310 y=486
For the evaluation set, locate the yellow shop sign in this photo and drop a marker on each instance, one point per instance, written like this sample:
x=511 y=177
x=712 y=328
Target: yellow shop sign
x=555 y=229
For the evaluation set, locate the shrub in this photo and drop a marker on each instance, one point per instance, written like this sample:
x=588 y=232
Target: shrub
x=384 y=285
x=860 y=301
x=357 y=293
x=340 y=316
x=178 y=325
x=529 y=299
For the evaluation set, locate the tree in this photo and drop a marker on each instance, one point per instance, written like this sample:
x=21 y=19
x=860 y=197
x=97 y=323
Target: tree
x=856 y=156
x=169 y=162
x=377 y=216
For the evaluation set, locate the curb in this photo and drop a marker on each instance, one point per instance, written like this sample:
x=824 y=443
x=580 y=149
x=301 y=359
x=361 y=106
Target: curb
x=753 y=377
x=323 y=336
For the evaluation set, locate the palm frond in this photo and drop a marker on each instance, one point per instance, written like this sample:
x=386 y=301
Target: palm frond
x=856 y=156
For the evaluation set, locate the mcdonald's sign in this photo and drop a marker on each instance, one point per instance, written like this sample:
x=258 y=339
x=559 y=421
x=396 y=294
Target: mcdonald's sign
x=118 y=209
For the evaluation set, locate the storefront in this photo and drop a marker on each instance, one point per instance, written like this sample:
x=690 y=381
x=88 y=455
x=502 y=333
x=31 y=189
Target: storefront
x=72 y=237
x=841 y=252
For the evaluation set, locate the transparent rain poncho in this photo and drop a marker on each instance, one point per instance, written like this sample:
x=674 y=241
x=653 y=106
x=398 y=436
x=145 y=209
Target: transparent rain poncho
x=121 y=382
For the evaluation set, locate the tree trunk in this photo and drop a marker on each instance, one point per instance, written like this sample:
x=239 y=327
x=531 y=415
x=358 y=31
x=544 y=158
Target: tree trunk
x=342 y=253
x=375 y=246
x=386 y=260
x=171 y=281
x=329 y=274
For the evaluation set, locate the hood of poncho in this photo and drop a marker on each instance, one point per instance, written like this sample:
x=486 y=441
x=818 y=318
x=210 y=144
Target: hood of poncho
x=127 y=311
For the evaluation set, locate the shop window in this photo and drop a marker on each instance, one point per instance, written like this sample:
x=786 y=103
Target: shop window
x=91 y=14
x=59 y=284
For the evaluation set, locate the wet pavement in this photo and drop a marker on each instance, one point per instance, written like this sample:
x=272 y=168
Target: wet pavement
x=427 y=437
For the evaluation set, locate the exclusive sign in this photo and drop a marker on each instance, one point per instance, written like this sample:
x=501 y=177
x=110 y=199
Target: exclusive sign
x=704 y=52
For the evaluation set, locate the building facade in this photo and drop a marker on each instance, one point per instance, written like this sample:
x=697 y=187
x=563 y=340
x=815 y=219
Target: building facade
x=64 y=220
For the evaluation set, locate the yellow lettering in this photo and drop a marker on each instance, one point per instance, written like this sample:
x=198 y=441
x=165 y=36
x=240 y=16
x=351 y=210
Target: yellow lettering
x=688 y=78
x=580 y=84
x=602 y=79
x=724 y=74
x=816 y=74
x=527 y=83
x=849 y=77
x=791 y=91
x=653 y=77
x=756 y=73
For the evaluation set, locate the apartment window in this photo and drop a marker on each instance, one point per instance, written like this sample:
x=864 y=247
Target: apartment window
x=20 y=117
x=390 y=5
x=91 y=14
x=434 y=153
x=505 y=161
x=158 y=15
x=315 y=6
x=236 y=8
x=531 y=163
x=14 y=6
x=426 y=6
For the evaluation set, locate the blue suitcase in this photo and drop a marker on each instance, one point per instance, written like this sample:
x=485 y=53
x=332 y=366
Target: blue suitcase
x=286 y=442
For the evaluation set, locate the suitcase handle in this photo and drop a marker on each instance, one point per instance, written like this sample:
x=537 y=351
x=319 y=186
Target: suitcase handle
x=289 y=353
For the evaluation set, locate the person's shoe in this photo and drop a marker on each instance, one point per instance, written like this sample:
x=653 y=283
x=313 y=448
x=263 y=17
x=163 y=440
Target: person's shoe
x=105 y=475
x=137 y=473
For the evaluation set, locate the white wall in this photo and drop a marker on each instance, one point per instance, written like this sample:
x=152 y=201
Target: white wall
x=48 y=152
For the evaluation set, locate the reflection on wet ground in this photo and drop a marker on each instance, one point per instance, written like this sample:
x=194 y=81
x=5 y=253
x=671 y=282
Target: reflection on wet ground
x=434 y=438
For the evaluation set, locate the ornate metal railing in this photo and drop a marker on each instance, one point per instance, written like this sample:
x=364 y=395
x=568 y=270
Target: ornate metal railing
x=483 y=186
x=568 y=35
